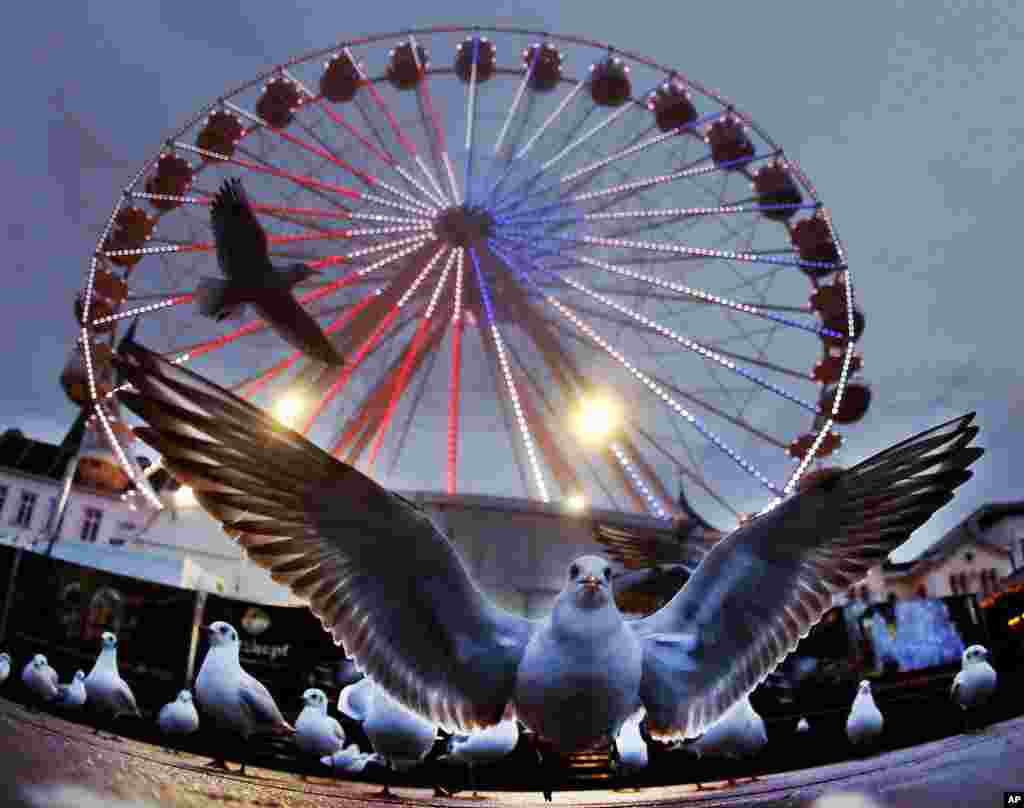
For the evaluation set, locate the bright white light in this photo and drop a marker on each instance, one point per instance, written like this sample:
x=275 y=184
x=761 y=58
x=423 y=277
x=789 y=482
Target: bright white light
x=287 y=409
x=597 y=418
x=184 y=496
x=576 y=503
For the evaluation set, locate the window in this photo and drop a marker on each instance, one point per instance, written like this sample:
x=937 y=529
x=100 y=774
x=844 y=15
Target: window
x=25 y=508
x=954 y=584
x=963 y=583
x=51 y=513
x=91 y=524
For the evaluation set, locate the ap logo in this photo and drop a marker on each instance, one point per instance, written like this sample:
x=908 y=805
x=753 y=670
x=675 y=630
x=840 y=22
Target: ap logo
x=1015 y=798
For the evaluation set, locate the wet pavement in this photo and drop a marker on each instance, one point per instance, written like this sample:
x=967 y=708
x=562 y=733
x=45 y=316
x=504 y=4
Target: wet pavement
x=45 y=760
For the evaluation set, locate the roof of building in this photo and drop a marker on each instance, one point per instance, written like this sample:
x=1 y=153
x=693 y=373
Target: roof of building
x=21 y=453
x=971 y=530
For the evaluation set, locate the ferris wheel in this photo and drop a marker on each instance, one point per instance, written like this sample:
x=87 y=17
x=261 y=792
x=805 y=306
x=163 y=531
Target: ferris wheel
x=556 y=270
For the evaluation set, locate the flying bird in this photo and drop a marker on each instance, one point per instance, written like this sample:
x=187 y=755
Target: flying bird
x=237 y=702
x=976 y=683
x=865 y=722
x=104 y=686
x=250 y=278
x=73 y=694
x=389 y=585
x=179 y=717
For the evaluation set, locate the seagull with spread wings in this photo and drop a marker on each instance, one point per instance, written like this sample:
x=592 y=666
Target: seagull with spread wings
x=389 y=586
x=250 y=278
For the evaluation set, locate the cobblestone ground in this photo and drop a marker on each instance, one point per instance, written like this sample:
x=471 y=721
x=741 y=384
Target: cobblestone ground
x=45 y=761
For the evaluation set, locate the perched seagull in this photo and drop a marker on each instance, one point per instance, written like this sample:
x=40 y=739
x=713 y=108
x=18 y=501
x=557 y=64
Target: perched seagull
x=316 y=733
x=976 y=682
x=179 y=717
x=865 y=722
x=401 y=737
x=250 y=278
x=104 y=686
x=350 y=760
x=5 y=666
x=236 y=702
x=739 y=734
x=40 y=679
x=482 y=748
x=390 y=586
x=72 y=695
x=803 y=726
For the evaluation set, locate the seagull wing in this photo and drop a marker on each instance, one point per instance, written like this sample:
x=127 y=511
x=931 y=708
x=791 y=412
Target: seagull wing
x=762 y=588
x=125 y=699
x=957 y=681
x=355 y=699
x=336 y=728
x=240 y=238
x=372 y=566
x=296 y=325
x=262 y=709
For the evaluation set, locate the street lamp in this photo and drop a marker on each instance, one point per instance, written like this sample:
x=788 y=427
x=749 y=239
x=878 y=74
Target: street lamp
x=596 y=418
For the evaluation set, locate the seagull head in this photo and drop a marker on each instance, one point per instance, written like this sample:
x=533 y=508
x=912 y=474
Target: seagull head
x=221 y=634
x=79 y=676
x=975 y=653
x=185 y=696
x=314 y=697
x=5 y=657
x=39 y=661
x=864 y=689
x=590 y=580
x=108 y=640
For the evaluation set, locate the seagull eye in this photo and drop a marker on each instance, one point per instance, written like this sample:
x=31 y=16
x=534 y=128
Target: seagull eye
x=574 y=571
x=607 y=573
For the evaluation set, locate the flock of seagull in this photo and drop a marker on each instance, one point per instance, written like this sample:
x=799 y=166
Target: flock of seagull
x=390 y=587
x=241 y=706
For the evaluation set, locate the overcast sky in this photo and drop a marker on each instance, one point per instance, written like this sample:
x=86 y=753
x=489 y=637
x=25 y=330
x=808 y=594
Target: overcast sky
x=907 y=118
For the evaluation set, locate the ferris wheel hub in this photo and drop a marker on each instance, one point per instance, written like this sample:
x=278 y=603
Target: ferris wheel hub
x=464 y=225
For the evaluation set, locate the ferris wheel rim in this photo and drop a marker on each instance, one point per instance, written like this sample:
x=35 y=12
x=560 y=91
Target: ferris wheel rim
x=670 y=74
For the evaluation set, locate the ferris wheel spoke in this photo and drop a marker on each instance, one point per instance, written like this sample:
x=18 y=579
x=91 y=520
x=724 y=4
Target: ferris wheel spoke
x=368 y=178
x=137 y=311
x=326 y=154
x=433 y=124
x=469 y=144
x=417 y=399
x=524 y=150
x=706 y=297
x=455 y=374
x=689 y=344
x=425 y=340
x=513 y=109
x=499 y=349
x=369 y=343
x=691 y=475
x=402 y=138
x=566 y=469
x=643 y=378
x=259 y=166
x=633 y=149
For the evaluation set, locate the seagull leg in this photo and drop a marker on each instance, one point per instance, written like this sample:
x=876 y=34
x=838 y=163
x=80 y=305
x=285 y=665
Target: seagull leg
x=388 y=779
x=546 y=769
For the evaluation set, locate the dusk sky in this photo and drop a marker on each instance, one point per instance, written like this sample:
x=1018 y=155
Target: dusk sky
x=906 y=116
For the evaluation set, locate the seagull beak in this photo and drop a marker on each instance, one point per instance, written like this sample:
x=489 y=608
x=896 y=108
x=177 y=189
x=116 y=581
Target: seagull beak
x=591 y=582
x=206 y=629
